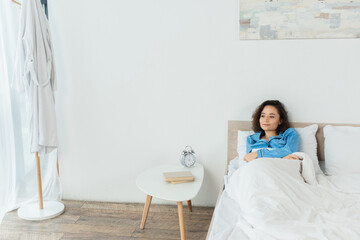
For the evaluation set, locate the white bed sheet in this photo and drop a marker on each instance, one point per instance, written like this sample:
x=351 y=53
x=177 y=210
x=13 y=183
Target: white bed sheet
x=228 y=218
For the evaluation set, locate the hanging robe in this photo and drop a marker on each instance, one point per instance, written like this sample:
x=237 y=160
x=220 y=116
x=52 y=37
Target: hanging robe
x=34 y=74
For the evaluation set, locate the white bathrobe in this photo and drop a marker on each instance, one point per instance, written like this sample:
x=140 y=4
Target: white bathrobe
x=34 y=74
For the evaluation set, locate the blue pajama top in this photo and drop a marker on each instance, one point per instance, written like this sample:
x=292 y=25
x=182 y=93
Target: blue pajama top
x=277 y=147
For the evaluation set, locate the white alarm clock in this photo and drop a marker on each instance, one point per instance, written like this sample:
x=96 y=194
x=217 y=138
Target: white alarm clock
x=187 y=157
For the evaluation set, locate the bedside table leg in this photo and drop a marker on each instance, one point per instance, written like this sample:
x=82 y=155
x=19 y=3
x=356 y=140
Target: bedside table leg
x=189 y=205
x=181 y=220
x=146 y=211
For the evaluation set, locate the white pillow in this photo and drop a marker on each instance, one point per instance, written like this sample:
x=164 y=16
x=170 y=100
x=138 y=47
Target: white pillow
x=308 y=144
x=341 y=149
x=241 y=143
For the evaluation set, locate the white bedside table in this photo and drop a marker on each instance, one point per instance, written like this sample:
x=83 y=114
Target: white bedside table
x=152 y=183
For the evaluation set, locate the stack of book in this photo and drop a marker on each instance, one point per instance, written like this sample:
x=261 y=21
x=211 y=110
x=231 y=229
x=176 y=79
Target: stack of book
x=178 y=177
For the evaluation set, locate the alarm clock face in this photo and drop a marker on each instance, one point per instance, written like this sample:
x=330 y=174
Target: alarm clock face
x=189 y=160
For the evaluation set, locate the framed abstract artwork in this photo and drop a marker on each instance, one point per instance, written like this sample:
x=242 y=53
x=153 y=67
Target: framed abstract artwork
x=296 y=19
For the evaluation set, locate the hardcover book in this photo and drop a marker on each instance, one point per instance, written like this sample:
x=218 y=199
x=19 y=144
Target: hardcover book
x=178 y=177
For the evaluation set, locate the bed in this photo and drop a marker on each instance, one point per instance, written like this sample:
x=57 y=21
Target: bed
x=234 y=217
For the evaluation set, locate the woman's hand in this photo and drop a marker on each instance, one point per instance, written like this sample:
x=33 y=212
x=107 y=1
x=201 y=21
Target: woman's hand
x=250 y=156
x=292 y=156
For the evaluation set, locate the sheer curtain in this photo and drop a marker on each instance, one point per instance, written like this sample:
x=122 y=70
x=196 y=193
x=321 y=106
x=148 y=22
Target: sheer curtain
x=18 y=182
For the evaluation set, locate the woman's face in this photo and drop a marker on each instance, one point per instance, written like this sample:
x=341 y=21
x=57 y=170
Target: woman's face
x=269 y=118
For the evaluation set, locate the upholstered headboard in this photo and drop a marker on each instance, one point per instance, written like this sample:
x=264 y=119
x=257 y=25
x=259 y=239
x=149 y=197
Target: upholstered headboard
x=234 y=126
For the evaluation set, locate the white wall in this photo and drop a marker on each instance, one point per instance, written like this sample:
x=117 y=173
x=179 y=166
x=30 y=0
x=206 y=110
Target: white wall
x=141 y=79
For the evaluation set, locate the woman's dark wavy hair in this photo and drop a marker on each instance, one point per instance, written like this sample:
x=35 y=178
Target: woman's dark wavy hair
x=281 y=110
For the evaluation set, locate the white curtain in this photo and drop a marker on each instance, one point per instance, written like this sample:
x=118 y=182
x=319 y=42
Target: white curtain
x=18 y=181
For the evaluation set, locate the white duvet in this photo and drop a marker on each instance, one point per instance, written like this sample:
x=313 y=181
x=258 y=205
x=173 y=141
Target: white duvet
x=269 y=198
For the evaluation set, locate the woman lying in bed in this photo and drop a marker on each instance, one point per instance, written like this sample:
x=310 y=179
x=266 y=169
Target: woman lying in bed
x=272 y=138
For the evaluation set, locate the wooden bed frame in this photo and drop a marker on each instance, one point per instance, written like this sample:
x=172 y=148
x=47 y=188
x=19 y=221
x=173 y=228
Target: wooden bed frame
x=235 y=126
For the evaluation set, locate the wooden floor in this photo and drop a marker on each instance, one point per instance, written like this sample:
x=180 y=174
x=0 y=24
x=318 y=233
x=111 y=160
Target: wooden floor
x=120 y=221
